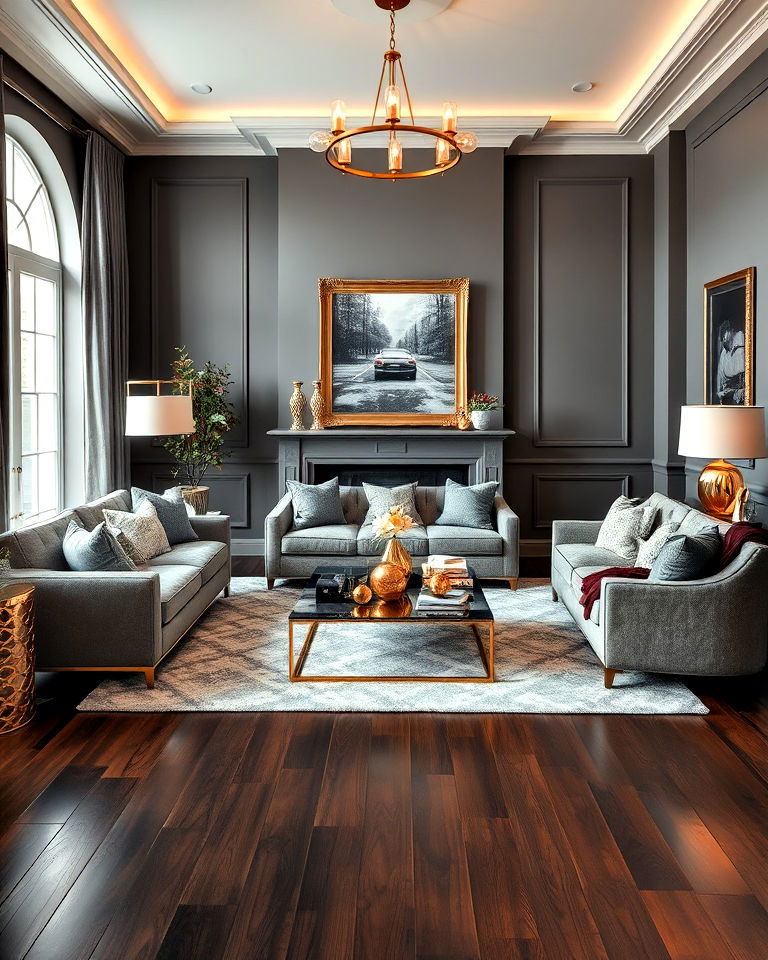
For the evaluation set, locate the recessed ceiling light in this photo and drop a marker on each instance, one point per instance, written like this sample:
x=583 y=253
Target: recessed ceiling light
x=205 y=88
x=583 y=86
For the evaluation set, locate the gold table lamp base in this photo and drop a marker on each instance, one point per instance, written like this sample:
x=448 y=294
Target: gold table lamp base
x=17 y=656
x=718 y=485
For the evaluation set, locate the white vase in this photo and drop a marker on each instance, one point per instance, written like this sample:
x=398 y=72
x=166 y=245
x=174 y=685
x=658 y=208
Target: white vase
x=482 y=419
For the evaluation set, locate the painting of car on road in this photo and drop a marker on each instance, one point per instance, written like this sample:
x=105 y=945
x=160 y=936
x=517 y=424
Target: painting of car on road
x=393 y=351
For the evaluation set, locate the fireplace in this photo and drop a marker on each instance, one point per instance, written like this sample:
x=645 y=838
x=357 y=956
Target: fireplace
x=392 y=474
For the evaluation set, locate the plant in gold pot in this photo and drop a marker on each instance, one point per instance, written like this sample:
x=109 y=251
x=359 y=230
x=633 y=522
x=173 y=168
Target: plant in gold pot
x=214 y=415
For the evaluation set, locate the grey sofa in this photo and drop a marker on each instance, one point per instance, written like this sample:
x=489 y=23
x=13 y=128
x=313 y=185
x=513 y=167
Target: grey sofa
x=716 y=626
x=494 y=554
x=117 y=621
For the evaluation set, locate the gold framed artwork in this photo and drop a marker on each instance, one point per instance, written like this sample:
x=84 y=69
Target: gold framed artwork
x=729 y=339
x=393 y=352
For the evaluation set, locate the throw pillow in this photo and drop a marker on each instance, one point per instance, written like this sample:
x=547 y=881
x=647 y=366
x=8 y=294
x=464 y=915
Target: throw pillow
x=382 y=499
x=143 y=532
x=650 y=548
x=468 y=506
x=685 y=557
x=96 y=549
x=171 y=512
x=626 y=523
x=316 y=505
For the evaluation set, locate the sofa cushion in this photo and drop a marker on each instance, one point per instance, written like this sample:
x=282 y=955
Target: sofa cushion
x=415 y=542
x=315 y=505
x=577 y=577
x=171 y=512
x=649 y=549
x=468 y=506
x=626 y=523
x=92 y=513
x=382 y=499
x=465 y=541
x=688 y=557
x=338 y=539
x=665 y=509
x=97 y=549
x=696 y=522
x=40 y=545
x=569 y=556
x=143 y=534
x=208 y=556
x=178 y=584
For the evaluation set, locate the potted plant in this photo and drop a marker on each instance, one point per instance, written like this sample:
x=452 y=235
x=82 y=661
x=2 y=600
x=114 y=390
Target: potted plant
x=485 y=411
x=214 y=415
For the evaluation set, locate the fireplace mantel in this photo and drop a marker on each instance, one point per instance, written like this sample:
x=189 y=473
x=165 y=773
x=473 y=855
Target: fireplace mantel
x=305 y=453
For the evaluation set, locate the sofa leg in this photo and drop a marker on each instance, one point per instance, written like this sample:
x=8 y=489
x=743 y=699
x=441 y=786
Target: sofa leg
x=512 y=583
x=609 y=676
x=149 y=676
x=555 y=597
x=270 y=583
x=226 y=590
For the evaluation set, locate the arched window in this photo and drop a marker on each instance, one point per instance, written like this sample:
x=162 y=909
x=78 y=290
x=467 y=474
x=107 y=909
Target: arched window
x=35 y=300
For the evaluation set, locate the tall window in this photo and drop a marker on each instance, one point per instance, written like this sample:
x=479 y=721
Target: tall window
x=35 y=310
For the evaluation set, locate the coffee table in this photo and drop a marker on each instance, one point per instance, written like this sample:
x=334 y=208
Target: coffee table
x=311 y=614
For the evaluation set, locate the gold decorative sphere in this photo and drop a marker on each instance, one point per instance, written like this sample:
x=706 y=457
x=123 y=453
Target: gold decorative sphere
x=388 y=581
x=439 y=584
x=362 y=593
x=361 y=613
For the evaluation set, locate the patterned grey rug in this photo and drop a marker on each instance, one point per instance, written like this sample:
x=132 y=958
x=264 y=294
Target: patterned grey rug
x=236 y=659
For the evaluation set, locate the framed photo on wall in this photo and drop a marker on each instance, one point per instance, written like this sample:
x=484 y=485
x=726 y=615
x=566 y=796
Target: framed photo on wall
x=729 y=339
x=393 y=352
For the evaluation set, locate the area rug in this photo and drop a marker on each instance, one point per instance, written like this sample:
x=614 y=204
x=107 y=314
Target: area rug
x=236 y=659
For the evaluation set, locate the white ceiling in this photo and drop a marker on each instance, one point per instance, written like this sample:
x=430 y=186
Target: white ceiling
x=292 y=57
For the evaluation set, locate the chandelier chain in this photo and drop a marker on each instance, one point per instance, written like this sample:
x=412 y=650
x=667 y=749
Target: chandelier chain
x=392 y=27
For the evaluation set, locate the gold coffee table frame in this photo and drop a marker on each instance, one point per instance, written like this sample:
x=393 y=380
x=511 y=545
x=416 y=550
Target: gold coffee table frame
x=296 y=668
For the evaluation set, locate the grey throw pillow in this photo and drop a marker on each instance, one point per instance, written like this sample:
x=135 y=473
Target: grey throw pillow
x=626 y=524
x=96 y=549
x=171 y=512
x=382 y=499
x=316 y=505
x=144 y=534
x=685 y=557
x=468 y=506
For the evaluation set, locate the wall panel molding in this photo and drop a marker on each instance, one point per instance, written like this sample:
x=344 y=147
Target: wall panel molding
x=241 y=515
x=621 y=480
x=539 y=387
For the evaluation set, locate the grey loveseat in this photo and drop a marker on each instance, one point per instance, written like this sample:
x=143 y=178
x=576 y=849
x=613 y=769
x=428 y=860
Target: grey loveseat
x=494 y=554
x=716 y=626
x=117 y=621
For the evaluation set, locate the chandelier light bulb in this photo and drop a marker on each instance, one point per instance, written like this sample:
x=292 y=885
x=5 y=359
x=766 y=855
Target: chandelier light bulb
x=466 y=141
x=442 y=152
x=392 y=103
x=344 y=151
x=338 y=117
x=319 y=140
x=450 y=116
x=395 y=155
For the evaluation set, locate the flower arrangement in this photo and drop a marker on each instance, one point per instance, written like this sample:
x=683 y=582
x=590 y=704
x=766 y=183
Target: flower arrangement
x=391 y=523
x=214 y=416
x=482 y=401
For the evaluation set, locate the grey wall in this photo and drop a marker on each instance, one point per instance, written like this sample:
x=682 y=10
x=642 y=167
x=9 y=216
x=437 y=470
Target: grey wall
x=727 y=217
x=202 y=236
x=579 y=335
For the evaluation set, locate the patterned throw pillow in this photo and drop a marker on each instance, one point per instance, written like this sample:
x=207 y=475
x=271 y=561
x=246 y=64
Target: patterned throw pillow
x=383 y=499
x=688 y=557
x=650 y=548
x=171 y=512
x=142 y=530
x=468 y=506
x=316 y=505
x=626 y=524
x=95 y=549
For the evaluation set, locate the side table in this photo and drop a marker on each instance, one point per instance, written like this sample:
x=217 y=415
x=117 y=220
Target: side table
x=17 y=656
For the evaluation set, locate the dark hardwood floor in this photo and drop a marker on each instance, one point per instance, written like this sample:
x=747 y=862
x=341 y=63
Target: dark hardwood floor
x=385 y=836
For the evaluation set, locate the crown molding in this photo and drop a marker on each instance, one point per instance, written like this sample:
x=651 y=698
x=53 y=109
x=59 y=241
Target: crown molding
x=57 y=45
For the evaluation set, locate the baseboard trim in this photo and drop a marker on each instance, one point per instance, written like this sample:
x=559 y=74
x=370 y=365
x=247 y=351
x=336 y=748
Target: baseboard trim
x=247 y=548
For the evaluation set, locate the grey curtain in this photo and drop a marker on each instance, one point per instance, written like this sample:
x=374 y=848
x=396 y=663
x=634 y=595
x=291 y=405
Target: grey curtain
x=105 y=317
x=5 y=354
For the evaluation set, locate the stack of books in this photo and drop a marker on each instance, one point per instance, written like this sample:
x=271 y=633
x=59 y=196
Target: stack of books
x=456 y=600
x=454 y=603
x=455 y=568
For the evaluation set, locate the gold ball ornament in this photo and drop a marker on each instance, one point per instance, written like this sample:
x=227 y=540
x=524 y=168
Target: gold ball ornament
x=439 y=584
x=388 y=581
x=362 y=593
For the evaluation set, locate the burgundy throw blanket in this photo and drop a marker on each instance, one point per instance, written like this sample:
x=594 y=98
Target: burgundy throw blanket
x=734 y=539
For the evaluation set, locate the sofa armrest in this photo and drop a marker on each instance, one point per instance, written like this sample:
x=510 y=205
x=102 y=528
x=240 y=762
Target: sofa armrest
x=714 y=626
x=508 y=525
x=575 y=531
x=213 y=528
x=276 y=524
x=100 y=619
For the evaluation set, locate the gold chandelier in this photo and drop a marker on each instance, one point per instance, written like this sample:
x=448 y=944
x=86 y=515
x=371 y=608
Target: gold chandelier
x=450 y=144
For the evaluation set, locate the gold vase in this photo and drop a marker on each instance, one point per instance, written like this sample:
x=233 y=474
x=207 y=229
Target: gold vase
x=296 y=405
x=317 y=406
x=396 y=553
x=197 y=498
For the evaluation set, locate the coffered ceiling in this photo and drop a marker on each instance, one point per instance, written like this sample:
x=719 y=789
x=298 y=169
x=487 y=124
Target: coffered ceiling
x=274 y=66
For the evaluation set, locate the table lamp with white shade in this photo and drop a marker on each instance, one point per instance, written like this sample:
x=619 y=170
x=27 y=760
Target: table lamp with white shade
x=720 y=434
x=157 y=414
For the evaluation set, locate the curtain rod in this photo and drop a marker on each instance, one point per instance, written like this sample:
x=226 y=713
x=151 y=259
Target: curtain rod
x=69 y=127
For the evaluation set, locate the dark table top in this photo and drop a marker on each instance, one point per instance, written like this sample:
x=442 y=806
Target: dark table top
x=307 y=608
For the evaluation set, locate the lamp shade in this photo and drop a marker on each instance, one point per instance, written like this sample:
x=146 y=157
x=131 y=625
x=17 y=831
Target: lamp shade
x=158 y=416
x=722 y=432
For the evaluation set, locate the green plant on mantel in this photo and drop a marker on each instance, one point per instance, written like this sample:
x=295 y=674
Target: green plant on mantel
x=482 y=401
x=214 y=417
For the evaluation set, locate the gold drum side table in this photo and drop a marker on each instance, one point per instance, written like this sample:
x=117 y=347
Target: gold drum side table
x=17 y=656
